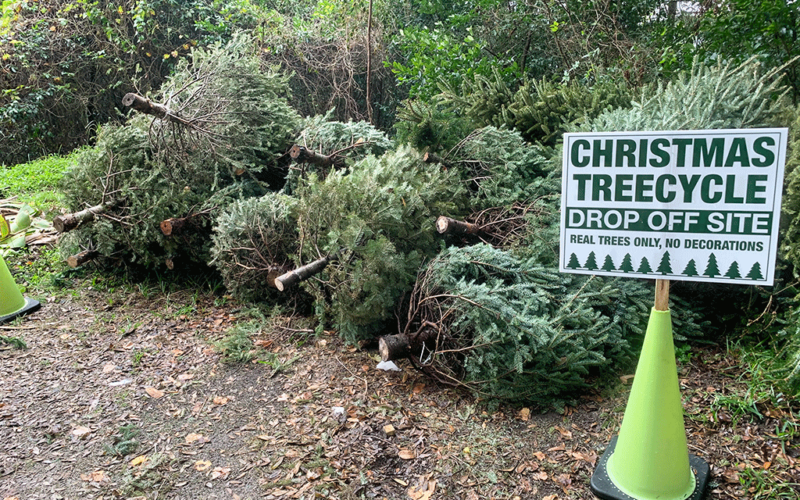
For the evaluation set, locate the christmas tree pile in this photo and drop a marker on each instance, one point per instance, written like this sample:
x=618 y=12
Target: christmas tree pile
x=146 y=193
x=511 y=327
x=508 y=328
x=371 y=227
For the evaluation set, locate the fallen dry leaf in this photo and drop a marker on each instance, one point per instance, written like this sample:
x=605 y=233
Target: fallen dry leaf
x=564 y=433
x=407 y=454
x=423 y=492
x=138 y=460
x=97 y=476
x=153 y=392
x=202 y=465
x=81 y=431
x=220 y=472
x=193 y=437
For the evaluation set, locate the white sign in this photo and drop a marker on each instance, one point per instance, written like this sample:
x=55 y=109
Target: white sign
x=699 y=205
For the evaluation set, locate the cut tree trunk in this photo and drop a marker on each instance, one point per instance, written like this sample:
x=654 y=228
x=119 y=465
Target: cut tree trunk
x=173 y=226
x=177 y=225
x=302 y=273
x=402 y=345
x=273 y=274
x=81 y=258
x=144 y=105
x=446 y=225
x=68 y=222
x=434 y=158
x=301 y=154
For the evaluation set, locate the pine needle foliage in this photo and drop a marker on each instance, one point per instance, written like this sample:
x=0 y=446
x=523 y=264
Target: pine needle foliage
x=721 y=96
x=378 y=218
x=237 y=117
x=790 y=244
x=513 y=330
x=501 y=168
x=541 y=110
x=254 y=240
x=350 y=141
x=514 y=190
x=429 y=127
x=234 y=117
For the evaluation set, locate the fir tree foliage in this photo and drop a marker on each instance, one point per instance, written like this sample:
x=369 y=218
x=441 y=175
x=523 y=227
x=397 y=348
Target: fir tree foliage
x=351 y=141
x=721 y=96
x=526 y=333
x=378 y=218
x=253 y=239
x=541 y=110
x=500 y=168
x=236 y=117
x=502 y=171
x=429 y=127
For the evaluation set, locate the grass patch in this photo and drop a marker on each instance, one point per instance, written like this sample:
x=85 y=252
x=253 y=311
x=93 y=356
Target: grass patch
x=123 y=442
x=14 y=342
x=237 y=345
x=36 y=182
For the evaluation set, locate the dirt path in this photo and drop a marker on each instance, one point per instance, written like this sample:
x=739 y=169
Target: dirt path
x=128 y=399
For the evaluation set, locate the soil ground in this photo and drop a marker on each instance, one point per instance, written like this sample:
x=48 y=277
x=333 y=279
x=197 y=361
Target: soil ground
x=123 y=395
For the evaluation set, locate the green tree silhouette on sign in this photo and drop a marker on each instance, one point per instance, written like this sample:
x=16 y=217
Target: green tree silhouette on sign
x=691 y=269
x=608 y=265
x=626 y=265
x=573 y=262
x=712 y=270
x=664 y=267
x=733 y=271
x=644 y=267
x=755 y=272
x=591 y=262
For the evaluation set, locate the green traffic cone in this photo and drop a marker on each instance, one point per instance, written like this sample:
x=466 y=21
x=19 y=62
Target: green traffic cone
x=650 y=459
x=12 y=303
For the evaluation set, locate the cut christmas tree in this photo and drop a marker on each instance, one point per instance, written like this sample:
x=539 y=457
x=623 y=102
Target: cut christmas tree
x=221 y=132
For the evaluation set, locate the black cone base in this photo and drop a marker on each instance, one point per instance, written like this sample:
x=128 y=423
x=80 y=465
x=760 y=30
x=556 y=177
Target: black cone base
x=604 y=488
x=30 y=306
